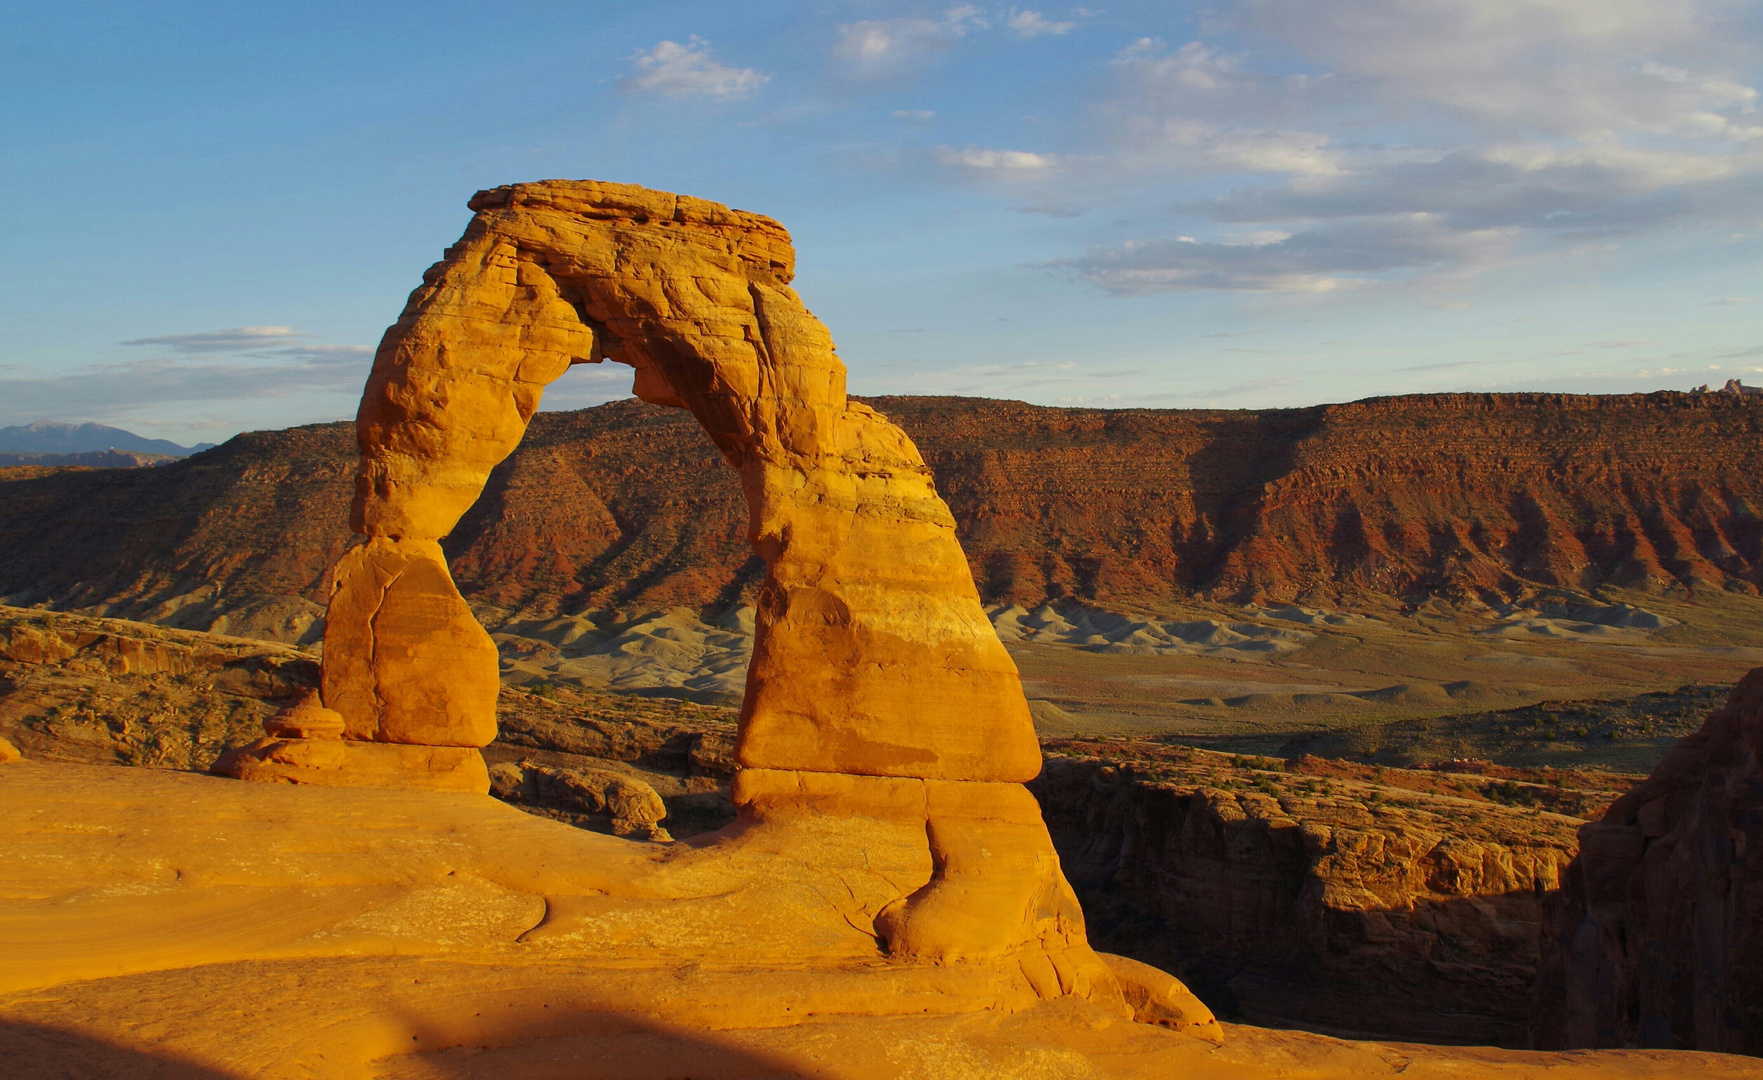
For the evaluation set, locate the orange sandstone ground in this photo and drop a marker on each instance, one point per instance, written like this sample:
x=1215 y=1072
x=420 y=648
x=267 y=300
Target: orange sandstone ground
x=1326 y=894
x=421 y=934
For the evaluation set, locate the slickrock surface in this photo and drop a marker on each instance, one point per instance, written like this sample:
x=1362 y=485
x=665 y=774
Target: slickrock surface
x=78 y=709
x=1657 y=936
x=113 y=692
x=625 y=506
x=170 y=925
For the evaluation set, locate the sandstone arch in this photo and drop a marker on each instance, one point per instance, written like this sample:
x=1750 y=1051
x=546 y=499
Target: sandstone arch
x=872 y=655
x=877 y=691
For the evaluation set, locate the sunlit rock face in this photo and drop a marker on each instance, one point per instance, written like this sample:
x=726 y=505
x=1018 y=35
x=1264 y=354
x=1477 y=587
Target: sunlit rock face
x=873 y=655
x=877 y=687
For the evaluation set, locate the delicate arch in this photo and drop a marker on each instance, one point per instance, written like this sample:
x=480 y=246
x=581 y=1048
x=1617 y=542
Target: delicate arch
x=872 y=655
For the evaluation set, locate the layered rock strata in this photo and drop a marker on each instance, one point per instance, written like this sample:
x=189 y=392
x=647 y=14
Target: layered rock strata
x=623 y=506
x=1656 y=937
x=877 y=690
x=1338 y=905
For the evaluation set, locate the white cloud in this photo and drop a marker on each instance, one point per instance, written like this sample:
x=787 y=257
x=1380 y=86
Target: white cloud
x=687 y=71
x=996 y=162
x=1568 y=67
x=1194 y=66
x=874 y=49
x=1387 y=139
x=1205 y=146
x=118 y=392
x=1030 y=24
x=913 y=114
x=238 y=339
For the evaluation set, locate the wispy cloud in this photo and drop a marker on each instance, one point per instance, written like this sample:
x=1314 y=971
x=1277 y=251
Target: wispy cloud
x=673 y=70
x=1212 y=396
x=976 y=159
x=1030 y=24
x=1527 y=129
x=876 y=49
x=1339 y=256
x=226 y=370
x=124 y=390
x=240 y=339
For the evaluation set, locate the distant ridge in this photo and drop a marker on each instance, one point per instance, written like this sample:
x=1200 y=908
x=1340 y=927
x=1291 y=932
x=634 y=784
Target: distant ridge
x=54 y=437
x=92 y=459
x=627 y=506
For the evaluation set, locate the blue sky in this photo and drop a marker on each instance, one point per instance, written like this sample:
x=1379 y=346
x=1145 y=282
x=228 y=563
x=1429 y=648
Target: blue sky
x=214 y=210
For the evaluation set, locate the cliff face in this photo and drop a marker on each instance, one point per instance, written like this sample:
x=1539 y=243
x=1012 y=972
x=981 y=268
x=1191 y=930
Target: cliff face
x=628 y=505
x=1656 y=939
x=1345 y=907
x=1451 y=493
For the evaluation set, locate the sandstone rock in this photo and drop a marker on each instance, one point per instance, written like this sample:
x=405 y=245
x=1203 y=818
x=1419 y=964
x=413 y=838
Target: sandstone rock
x=633 y=807
x=1134 y=509
x=304 y=744
x=219 y=926
x=108 y=691
x=346 y=763
x=307 y=718
x=1158 y=997
x=8 y=752
x=1656 y=937
x=872 y=658
x=405 y=661
x=861 y=553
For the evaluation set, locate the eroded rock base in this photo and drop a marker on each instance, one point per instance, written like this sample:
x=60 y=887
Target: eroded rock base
x=346 y=763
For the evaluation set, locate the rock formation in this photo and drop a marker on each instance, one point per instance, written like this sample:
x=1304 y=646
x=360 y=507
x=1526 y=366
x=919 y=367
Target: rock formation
x=1656 y=938
x=634 y=807
x=108 y=691
x=877 y=690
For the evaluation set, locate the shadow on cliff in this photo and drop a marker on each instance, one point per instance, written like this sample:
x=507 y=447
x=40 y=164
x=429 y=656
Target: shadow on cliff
x=1231 y=473
x=37 y=1052
x=1450 y=972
